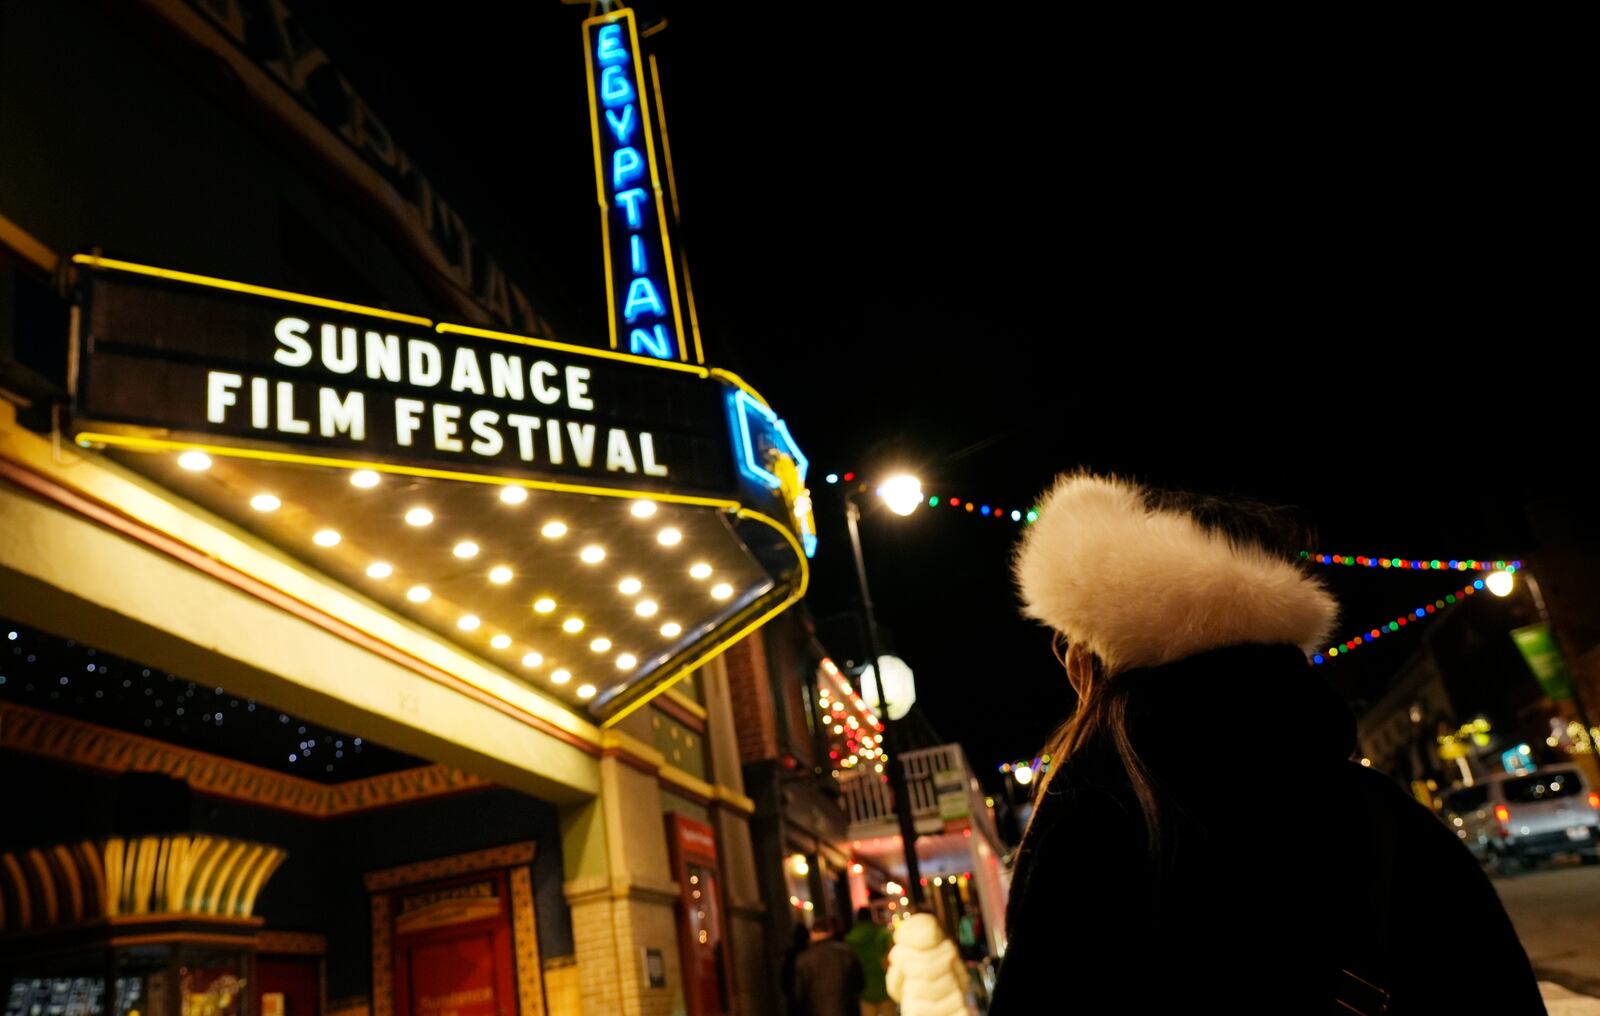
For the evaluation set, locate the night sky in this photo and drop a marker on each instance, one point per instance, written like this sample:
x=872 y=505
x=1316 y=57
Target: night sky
x=1339 y=275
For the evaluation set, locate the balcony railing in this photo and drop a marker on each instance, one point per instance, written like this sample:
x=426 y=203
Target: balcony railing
x=939 y=781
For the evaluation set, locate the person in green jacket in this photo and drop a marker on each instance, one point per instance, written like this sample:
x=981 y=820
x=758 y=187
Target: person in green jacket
x=872 y=943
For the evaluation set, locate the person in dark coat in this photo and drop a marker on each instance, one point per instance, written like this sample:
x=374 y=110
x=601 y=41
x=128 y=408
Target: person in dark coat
x=1203 y=841
x=827 y=976
x=799 y=942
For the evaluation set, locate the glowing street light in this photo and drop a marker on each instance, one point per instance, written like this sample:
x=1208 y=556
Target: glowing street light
x=1500 y=583
x=902 y=493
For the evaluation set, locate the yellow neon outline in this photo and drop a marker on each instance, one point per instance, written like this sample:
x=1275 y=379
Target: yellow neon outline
x=668 y=267
x=739 y=383
x=666 y=145
x=599 y=179
x=685 y=669
x=245 y=287
x=694 y=316
x=655 y=183
x=155 y=444
x=446 y=328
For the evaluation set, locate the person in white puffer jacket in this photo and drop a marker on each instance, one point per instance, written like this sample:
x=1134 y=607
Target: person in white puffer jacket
x=926 y=975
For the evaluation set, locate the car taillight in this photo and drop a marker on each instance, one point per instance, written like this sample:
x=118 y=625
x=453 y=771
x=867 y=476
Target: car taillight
x=1502 y=813
x=1594 y=799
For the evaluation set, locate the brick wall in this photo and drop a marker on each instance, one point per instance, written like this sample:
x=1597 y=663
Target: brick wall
x=611 y=936
x=749 y=684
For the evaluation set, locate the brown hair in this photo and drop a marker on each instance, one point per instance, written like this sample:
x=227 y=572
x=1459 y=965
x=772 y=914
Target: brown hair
x=1102 y=712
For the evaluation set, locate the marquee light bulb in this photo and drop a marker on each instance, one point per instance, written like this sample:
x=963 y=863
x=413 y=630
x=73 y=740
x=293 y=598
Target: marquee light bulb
x=560 y=676
x=364 y=478
x=586 y=691
x=513 y=495
x=531 y=660
x=418 y=517
x=501 y=641
x=646 y=608
x=627 y=661
x=629 y=586
x=194 y=462
x=266 y=503
x=379 y=570
x=700 y=571
x=600 y=645
x=326 y=538
x=643 y=509
x=554 y=530
x=572 y=625
x=465 y=549
x=544 y=605
x=721 y=591
x=500 y=575
x=592 y=554
x=468 y=622
x=669 y=537
x=418 y=594
x=671 y=630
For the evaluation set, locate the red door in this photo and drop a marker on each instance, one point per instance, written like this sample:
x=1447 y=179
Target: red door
x=453 y=952
x=702 y=936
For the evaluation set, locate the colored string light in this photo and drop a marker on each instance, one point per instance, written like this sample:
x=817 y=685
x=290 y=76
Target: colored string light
x=855 y=734
x=1021 y=516
x=1407 y=564
x=1416 y=616
x=1031 y=515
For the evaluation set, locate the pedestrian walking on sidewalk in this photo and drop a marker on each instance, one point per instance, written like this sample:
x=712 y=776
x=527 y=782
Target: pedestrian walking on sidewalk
x=827 y=976
x=926 y=974
x=871 y=942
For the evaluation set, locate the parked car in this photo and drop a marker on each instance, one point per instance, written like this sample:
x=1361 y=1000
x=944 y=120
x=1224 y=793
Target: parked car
x=1511 y=821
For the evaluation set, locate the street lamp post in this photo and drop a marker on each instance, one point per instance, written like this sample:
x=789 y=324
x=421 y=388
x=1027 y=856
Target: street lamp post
x=897 y=772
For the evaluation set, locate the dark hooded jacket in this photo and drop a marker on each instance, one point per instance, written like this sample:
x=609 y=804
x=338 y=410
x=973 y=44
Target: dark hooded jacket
x=1281 y=864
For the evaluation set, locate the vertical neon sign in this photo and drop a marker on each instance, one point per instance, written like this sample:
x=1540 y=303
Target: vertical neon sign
x=641 y=286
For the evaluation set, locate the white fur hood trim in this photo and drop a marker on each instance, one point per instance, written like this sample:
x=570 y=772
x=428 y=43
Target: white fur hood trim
x=1141 y=588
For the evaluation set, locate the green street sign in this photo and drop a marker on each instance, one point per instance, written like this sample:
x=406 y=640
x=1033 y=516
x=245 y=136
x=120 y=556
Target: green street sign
x=1544 y=658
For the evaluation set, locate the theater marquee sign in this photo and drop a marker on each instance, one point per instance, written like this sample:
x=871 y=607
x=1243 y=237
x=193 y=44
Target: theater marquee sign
x=671 y=516
x=253 y=368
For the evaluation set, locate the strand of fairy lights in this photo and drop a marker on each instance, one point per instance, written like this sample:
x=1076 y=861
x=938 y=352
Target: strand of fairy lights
x=1309 y=556
x=1408 y=564
x=1420 y=614
x=1029 y=515
x=977 y=508
x=856 y=731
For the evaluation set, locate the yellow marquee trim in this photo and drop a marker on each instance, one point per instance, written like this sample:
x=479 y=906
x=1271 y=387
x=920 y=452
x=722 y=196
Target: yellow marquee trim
x=133 y=268
x=140 y=442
